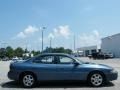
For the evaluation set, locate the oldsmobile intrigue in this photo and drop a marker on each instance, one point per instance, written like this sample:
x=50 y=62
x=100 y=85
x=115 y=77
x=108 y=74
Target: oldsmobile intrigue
x=56 y=66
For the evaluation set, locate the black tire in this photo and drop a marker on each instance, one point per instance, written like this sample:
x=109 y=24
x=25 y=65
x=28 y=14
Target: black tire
x=98 y=81
x=28 y=80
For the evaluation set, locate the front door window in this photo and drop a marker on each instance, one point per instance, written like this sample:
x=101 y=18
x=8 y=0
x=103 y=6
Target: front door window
x=64 y=60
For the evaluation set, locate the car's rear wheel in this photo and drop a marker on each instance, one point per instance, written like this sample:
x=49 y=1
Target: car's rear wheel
x=28 y=80
x=96 y=79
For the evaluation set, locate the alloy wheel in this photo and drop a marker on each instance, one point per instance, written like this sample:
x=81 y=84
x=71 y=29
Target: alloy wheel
x=96 y=79
x=28 y=80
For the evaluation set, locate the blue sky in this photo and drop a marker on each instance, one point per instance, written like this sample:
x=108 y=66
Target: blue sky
x=89 y=20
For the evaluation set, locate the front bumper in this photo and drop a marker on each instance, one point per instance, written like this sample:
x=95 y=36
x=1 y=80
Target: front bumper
x=112 y=76
x=13 y=75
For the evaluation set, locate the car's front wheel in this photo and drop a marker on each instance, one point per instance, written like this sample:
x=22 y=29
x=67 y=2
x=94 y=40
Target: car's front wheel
x=28 y=80
x=96 y=79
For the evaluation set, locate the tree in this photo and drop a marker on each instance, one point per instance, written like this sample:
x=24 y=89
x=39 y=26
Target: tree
x=35 y=52
x=9 y=52
x=26 y=51
x=47 y=50
x=2 y=52
x=57 y=50
x=18 y=52
x=68 y=51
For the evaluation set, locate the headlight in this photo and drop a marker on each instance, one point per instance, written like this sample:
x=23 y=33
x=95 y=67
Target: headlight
x=113 y=71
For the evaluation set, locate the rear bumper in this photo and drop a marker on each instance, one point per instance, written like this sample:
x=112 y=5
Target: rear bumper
x=112 y=76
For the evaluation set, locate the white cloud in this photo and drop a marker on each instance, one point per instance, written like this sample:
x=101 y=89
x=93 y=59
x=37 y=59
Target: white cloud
x=64 y=31
x=45 y=40
x=61 y=31
x=50 y=35
x=55 y=32
x=28 y=31
x=96 y=33
x=21 y=35
x=89 y=40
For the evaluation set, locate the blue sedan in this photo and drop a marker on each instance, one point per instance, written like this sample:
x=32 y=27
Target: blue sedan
x=56 y=66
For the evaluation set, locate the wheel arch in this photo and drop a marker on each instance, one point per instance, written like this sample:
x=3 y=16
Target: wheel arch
x=96 y=71
x=27 y=72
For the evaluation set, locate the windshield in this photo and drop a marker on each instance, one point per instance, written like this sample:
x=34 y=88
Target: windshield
x=78 y=60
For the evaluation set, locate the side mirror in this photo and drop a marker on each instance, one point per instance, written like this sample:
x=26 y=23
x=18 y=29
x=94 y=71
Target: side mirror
x=76 y=63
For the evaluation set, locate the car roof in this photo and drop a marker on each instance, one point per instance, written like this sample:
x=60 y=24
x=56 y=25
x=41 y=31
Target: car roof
x=54 y=54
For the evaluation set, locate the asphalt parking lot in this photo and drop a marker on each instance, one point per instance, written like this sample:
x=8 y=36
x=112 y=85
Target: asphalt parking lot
x=6 y=84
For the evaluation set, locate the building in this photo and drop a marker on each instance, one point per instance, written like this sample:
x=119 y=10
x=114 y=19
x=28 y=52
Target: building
x=111 y=44
x=88 y=50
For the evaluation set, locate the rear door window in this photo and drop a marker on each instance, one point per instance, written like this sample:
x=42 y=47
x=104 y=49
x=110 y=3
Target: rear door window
x=44 y=59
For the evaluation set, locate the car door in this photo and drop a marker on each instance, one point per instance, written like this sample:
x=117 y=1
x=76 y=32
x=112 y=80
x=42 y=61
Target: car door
x=64 y=66
x=45 y=68
x=79 y=72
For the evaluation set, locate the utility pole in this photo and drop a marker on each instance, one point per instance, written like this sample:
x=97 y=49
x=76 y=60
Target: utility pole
x=43 y=28
x=74 y=43
x=0 y=44
x=26 y=46
x=50 y=44
x=42 y=40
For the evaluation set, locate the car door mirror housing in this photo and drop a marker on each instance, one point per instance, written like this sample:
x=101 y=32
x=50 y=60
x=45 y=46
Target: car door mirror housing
x=76 y=63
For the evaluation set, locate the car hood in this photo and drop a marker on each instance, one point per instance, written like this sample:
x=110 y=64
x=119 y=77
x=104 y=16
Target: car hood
x=94 y=65
x=18 y=61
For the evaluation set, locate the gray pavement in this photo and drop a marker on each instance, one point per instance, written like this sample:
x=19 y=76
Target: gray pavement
x=6 y=84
